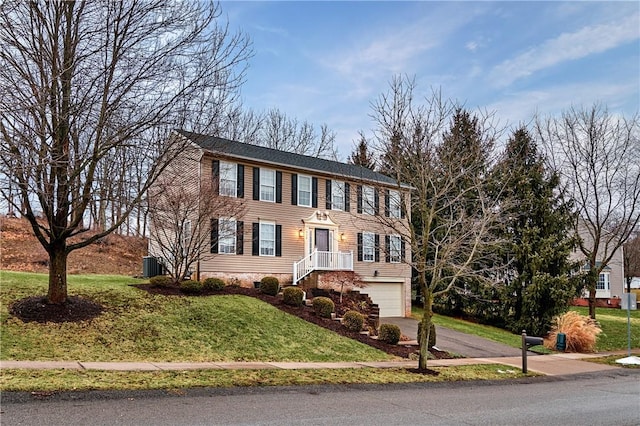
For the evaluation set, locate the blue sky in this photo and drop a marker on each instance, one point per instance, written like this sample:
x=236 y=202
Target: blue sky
x=325 y=62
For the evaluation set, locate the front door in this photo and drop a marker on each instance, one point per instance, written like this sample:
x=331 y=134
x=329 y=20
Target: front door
x=322 y=239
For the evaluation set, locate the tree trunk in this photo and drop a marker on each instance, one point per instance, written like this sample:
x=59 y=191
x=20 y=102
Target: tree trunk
x=57 y=274
x=425 y=328
x=592 y=281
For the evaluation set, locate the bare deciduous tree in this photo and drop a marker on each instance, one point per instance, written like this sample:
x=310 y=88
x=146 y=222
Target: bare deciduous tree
x=632 y=259
x=598 y=156
x=86 y=83
x=185 y=220
x=449 y=240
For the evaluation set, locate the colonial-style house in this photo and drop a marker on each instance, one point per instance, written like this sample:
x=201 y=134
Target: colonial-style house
x=301 y=217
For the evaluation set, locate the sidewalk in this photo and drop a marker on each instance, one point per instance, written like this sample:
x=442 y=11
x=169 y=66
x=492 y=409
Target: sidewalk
x=550 y=365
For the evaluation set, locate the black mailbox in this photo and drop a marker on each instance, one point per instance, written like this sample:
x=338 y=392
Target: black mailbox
x=533 y=341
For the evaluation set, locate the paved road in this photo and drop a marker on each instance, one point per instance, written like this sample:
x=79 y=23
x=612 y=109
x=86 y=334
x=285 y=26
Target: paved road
x=456 y=342
x=600 y=399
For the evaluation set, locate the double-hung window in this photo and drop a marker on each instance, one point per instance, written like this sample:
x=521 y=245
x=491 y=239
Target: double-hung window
x=395 y=249
x=267 y=185
x=304 y=191
x=267 y=239
x=368 y=247
x=227 y=235
x=186 y=237
x=368 y=200
x=337 y=195
x=603 y=281
x=394 y=204
x=228 y=179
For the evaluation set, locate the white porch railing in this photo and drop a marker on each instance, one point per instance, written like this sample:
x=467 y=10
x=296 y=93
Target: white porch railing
x=322 y=261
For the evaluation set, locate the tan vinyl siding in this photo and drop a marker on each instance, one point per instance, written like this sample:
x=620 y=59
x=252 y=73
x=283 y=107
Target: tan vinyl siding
x=291 y=219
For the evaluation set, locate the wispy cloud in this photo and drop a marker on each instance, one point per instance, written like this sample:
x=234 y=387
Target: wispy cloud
x=566 y=47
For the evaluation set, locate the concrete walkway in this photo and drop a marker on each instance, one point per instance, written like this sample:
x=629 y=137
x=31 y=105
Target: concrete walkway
x=551 y=365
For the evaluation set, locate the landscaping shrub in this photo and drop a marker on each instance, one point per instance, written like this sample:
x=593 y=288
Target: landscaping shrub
x=270 y=286
x=581 y=332
x=160 y=281
x=432 y=335
x=353 y=320
x=323 y=306
x=213 y=284
x=389 y=333
x=191 y=287
x=293 y=296
x=233 y=282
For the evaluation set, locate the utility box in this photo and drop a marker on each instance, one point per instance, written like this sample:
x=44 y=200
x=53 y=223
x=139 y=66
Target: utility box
x=631 y=298
x=561 y=342
x=150 y=267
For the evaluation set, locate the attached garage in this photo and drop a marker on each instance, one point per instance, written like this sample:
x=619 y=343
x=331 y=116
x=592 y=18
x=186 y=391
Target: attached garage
x=389 y=296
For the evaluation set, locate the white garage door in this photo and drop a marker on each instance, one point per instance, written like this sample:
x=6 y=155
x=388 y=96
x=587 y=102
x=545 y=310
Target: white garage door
x=388 y=296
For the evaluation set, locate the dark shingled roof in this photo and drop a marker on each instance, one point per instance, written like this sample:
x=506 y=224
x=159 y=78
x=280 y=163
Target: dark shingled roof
x=269 y=155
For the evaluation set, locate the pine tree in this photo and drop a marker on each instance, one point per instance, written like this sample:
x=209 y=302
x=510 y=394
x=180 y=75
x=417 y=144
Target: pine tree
x=538 y=230
x=361 y=155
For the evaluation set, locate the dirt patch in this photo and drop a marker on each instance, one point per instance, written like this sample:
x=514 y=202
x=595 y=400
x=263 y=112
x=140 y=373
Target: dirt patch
x=113 y=255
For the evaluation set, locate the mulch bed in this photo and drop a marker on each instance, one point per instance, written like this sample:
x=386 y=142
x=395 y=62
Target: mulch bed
x=37 y=309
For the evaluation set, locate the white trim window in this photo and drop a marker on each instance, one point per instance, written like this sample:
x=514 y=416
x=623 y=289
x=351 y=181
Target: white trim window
x=304 y=191
x=368 y=247
x=368 y=200
x=267 y=185
x=228 y=179
x=395 y=248
x=267 y=239
x=186 y=237
x=394 y=204
x=337 y=195
x=227 y=228
x=603 y=283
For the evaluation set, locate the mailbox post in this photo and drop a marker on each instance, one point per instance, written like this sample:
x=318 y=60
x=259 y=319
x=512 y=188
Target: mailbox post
x=528 y=341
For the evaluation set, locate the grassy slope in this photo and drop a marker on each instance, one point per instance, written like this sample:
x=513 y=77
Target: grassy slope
x=137 y=326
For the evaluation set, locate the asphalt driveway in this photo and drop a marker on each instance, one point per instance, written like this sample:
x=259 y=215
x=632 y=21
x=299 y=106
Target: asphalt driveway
x=452 y=341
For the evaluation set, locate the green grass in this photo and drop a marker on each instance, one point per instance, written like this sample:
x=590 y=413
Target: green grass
x=77 y=380
x=612 y=321
x=611 y=359
x=137 y=326
x=614 y=328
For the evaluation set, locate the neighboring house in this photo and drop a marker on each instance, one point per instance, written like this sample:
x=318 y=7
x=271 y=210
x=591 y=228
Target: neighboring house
x=302 y=216
x=610 y=287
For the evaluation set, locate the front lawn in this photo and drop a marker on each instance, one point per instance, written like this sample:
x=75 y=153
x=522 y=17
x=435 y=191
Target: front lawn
x=138 y=326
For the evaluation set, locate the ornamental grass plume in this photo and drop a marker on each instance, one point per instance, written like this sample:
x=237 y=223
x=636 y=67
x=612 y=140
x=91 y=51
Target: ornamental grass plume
x=581 y=332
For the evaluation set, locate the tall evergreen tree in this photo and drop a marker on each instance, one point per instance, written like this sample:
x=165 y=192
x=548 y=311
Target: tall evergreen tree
x=539 y=230
x=362 y=155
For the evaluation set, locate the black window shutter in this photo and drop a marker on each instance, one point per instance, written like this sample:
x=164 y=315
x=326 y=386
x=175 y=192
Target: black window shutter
x=347 y=196
x=256 y=183
x=214 y=235
x=240 y=178
x=387 y=248
x=314 y=192
x=278 y=240
x=239 y=237
x=402 y=206
x=294 y=189
x=278 y=187
x=328 y=193
x=359 y=198
x=376 y=202
x=215 y=175
x=359 y=246
x=377 y=248
x=255 y=239
x=387 y=202
x=402 y=249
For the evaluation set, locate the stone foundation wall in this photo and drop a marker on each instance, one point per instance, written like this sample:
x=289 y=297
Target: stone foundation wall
x=248 y=279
